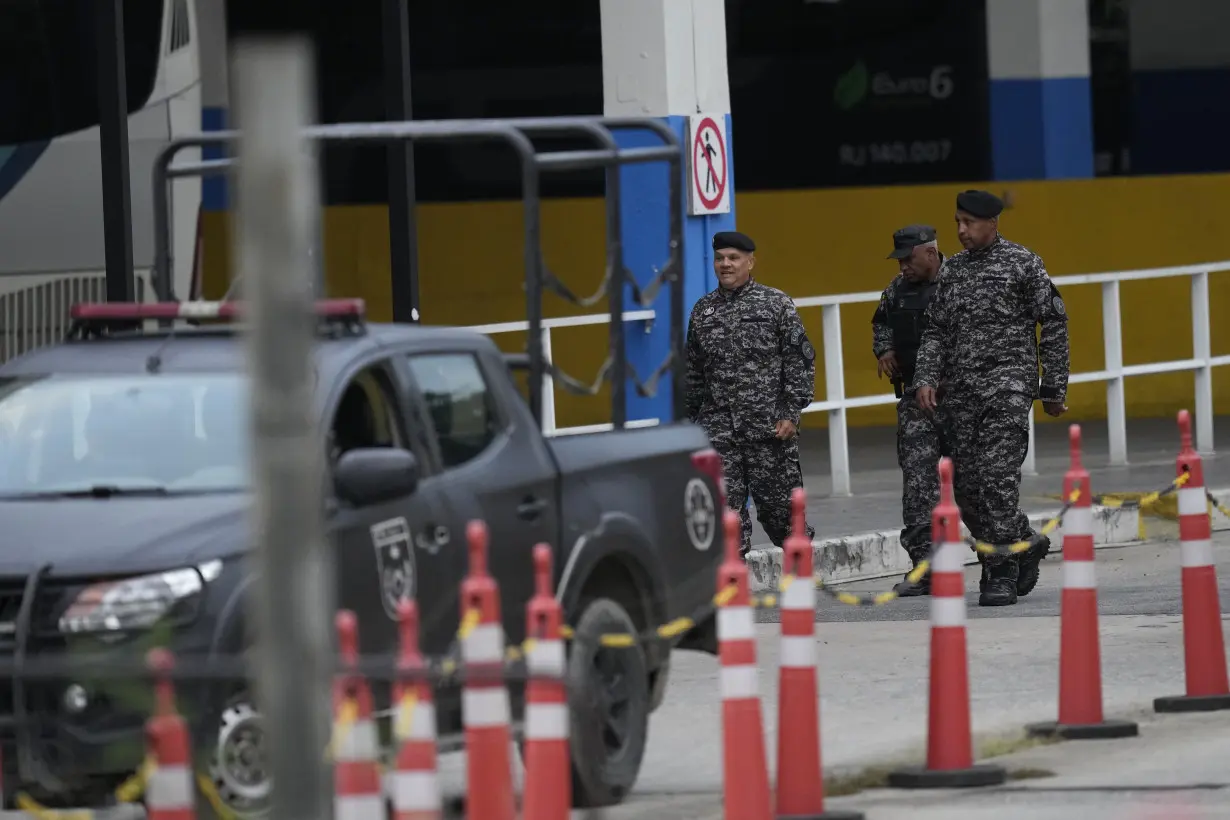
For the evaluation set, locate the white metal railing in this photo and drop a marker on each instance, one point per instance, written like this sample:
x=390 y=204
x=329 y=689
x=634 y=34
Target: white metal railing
x=34 y=307
x=1202 y=362
x=548 y=383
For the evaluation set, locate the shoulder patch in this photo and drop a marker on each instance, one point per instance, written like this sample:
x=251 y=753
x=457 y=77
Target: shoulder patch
x=809 y=352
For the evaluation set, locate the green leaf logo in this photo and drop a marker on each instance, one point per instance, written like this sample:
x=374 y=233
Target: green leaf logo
x=851 y=87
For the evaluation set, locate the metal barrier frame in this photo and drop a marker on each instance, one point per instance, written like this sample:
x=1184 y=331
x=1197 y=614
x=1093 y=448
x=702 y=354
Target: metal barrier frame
x=1114 y=371
x=516 y=133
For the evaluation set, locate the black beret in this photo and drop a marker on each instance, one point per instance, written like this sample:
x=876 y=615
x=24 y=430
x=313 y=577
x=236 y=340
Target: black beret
x=909 y=238
x=733 y=239
x=982 y=204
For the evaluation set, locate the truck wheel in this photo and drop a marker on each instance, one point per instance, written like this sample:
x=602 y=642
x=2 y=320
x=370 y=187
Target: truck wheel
x=237 y=763
x=608 y=694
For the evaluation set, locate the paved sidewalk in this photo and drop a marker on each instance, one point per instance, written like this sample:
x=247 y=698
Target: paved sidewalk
x=874 y=666
x=876 y=481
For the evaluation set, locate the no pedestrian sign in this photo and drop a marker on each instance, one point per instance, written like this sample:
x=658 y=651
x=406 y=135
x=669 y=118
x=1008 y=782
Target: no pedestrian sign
x=709 y=171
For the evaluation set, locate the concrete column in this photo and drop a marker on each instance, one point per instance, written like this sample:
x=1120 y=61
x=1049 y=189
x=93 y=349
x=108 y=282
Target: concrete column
x=1041 y=114
x=667 y=59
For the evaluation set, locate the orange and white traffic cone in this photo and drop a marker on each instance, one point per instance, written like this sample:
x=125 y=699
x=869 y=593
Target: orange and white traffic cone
x=548 y=774
x=1204 y=647
x=745 y=769
x=950 y=744
x=484 y=698
x=169 y=793
x=800 y=775
x=415 y=783
x=1080 y=657
x=357 y=790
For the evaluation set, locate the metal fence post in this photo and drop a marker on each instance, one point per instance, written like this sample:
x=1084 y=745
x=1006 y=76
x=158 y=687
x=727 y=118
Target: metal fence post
x=1030 y=465
x=548 y=384
x=1202 y=351
x=278 y=212
x=835 y=390
x=1112 y=345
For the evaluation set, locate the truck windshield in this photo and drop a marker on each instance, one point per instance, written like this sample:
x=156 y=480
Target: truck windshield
x=103 y=435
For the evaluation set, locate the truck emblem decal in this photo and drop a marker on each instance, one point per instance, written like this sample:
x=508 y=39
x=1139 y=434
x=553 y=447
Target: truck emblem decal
x=699 y=514
x=394 y=563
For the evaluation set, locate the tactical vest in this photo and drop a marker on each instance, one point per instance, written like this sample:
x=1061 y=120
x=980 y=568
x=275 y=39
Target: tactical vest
x=907 y=320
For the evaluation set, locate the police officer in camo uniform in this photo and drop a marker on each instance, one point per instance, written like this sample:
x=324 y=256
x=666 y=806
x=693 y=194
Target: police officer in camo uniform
x=751 y=371
x=897 y=327
x=981 y=340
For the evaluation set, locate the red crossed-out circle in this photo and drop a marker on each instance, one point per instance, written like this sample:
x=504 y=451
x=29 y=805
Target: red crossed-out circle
x=708 y=124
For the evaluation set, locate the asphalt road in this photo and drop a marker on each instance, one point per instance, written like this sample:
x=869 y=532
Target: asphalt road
x=1175 y=770
x=874 y=672
x=873 y=666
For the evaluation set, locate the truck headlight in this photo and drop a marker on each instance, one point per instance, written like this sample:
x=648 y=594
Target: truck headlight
x=137 y=603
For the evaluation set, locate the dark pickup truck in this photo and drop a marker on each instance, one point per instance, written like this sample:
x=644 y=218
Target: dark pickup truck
x=125 y=492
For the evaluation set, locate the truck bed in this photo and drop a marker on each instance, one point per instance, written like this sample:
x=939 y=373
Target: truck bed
x=646 y=476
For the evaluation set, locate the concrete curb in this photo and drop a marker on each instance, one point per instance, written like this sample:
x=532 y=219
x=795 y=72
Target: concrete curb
x=867 y=555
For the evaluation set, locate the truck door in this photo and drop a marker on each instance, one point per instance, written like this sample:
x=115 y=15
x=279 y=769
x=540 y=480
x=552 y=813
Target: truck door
x=501 y=469
x=394 y=549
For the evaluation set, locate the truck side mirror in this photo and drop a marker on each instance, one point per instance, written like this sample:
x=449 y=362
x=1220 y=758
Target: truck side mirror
x=371 y=475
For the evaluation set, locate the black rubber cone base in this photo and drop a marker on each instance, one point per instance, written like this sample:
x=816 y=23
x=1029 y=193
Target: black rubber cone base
x=1106 y=730
x=834 y=814
x=920 y=777
x=1192 y=703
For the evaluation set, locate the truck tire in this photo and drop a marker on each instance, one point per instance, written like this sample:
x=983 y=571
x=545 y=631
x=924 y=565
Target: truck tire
x=609 y=700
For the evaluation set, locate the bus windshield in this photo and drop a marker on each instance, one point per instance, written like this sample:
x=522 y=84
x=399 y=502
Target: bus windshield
x=49 y=65
x=80 y=434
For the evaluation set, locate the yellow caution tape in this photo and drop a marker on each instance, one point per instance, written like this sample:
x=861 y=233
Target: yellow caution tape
x=1025 y=546
x=666 y=632
x=130 y=791
x=210 y=791
x=28 y=804
x=347 y=714
x=405 y=715
x=468 y=624
x=869 y=599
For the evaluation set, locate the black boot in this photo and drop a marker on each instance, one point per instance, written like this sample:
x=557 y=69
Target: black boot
x=906 y=589
x=1000 y=589
x=1030 y=566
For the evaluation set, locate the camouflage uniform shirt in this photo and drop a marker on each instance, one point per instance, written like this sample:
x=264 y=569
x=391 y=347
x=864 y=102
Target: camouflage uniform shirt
x=980 y=334
x=750 y=363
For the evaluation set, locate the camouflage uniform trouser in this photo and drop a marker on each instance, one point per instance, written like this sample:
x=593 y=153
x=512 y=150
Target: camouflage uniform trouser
x=768 y=471
x=989 y=437
x=919 y=447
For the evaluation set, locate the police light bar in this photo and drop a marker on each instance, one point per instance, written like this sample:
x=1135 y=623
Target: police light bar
x=138 y=311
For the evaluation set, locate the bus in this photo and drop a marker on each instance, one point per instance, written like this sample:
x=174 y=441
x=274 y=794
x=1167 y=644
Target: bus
x=51 y=224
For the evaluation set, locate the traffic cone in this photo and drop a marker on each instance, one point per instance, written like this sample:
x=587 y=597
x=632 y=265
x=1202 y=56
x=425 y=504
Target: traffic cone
x=169 y=793
x=1080 y=658
x=1204 y=648
x=484 y=697
x=745 y=770
x=357 y=791
x=950 y=743
x=548 y=772
x=415 y=785
x=800 y=776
